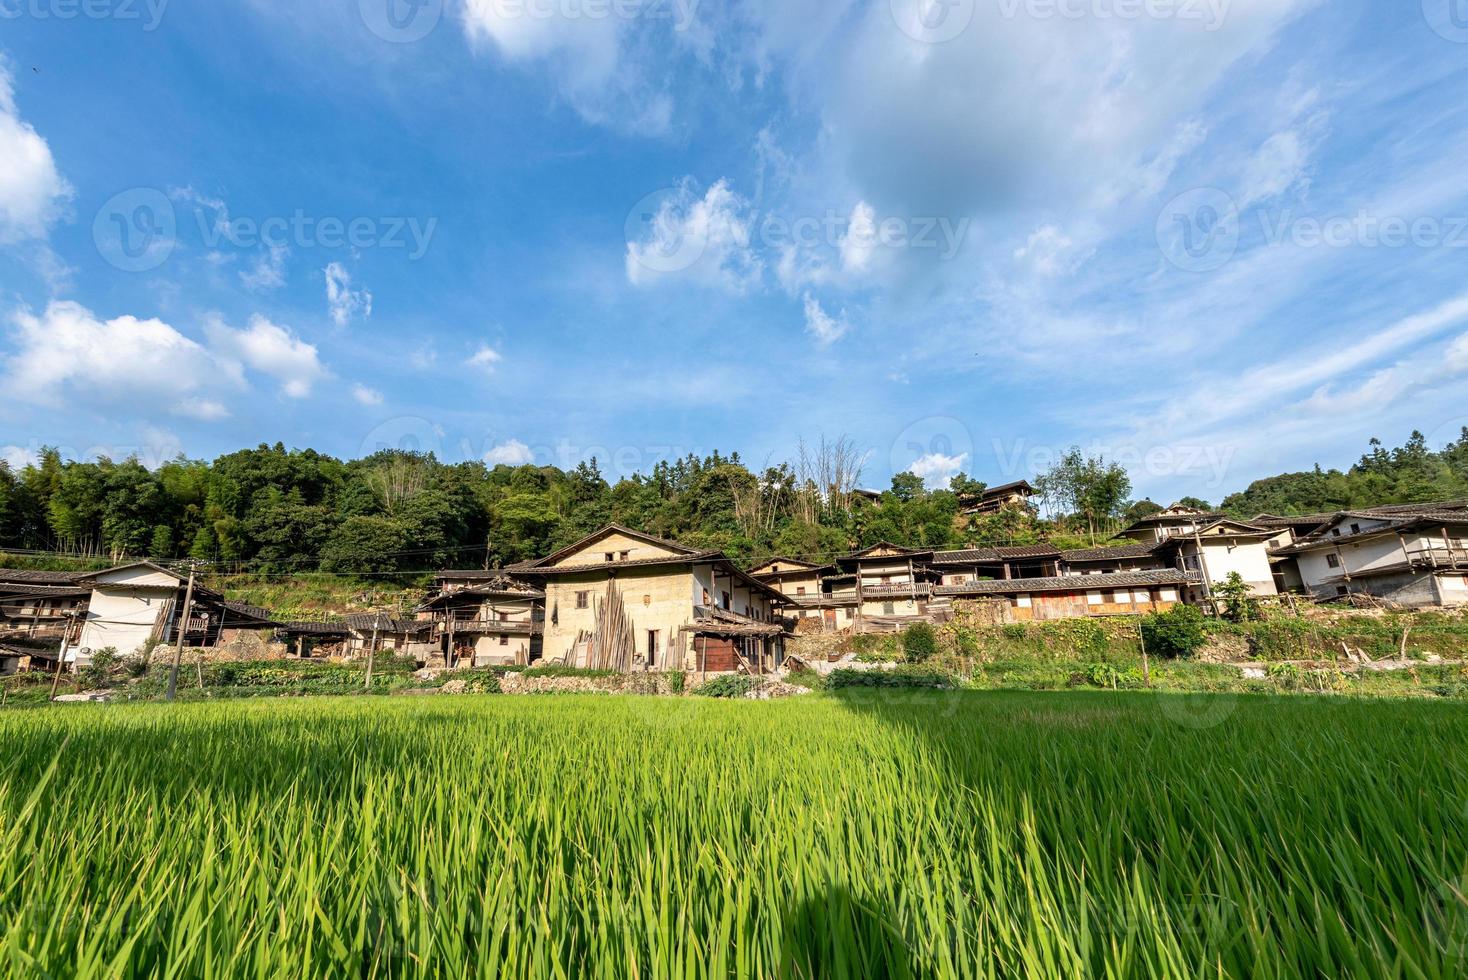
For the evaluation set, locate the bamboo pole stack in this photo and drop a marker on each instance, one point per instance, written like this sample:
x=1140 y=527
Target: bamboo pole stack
x=615 y=642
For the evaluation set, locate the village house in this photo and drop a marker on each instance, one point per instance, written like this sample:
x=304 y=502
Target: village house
x=623 y=600
x=995 y=499
x=1172 y=522
x=36 y=611
x=1075 y=596
x=134 y=606
x=1415 y=556
x=1209 y=547
x=493 y=621
x=805 y=586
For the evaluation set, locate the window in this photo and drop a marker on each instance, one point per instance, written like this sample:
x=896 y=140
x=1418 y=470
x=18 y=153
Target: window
x=706 y=599
x=1333 y=560
x=611 y=556
x=1335 y=532
x=1169 y=595
x=1022 y=600
x=1094 y=599
x=504 y=641
x=504 y=617
x=583 y=600
x=652 y=647
x=800 y=590
x=1355 y=528
x=626 y=555
x=888 y=609
x=1121 y=597
x=726 y=600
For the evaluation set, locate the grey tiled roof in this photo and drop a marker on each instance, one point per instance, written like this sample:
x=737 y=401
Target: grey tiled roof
x=1069 y=583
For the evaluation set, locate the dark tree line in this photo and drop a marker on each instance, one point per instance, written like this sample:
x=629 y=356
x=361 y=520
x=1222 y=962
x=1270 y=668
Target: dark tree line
x=275 y=510
x=1409 y=474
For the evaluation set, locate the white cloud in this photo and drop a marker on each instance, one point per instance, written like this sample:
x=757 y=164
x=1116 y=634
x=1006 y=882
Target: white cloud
x=67 y=356
x=1048 y=250
x=510 y=453
x=366 y=396
x=700 y=239
x=33 y=193
x=486 y=357
x=1278 y=165
x=825 y=328
x=17 y=457
x=344 y=302
x=270 y=349
x=938 y=470
x=859 y=255
x=202 y=409
x=589 y=58
x=269 y=270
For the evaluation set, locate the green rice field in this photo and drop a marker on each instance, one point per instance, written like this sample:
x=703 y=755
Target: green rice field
x=895 y=834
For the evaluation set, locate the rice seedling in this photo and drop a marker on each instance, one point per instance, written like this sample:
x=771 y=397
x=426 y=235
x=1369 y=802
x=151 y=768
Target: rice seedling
x=951 y=834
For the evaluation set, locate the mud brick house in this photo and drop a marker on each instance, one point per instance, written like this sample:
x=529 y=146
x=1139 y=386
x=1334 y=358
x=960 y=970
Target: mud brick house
x=619 y=599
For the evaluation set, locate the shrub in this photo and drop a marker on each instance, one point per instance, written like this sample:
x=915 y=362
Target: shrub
x=729 y=686
x=677 y=681
x=1239 y=604
x=99 y=672
x=903 y=676
x=919 y=643
x=1174 y=634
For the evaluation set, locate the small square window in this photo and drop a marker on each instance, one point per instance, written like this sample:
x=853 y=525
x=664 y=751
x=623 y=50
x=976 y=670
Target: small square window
x=504 y=641
x=1333 y=560
x=1355 y=528
x=611 y=556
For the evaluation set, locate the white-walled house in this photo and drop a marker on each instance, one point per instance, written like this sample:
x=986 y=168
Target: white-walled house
x=130 y=606
x=1417 y=558
x=1213 y=551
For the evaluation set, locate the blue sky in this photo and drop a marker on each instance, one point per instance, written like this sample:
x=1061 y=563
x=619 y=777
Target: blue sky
x=1215 y=239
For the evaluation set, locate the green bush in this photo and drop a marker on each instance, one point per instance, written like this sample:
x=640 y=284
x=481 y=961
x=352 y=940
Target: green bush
x=806 y=678
x=729 y=686
x=919 y=643
x=99 y=672
x=902 y=676
x=677 y=681
x=1175 y=634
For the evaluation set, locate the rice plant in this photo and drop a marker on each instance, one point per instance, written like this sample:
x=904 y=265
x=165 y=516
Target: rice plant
x=867 y=834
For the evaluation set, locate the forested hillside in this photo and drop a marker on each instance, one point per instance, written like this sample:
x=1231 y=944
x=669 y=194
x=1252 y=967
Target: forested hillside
x=278 y=510
x=275 y=510
x=1413 y=473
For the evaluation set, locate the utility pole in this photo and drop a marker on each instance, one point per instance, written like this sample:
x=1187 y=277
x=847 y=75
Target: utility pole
x=61 y=657
x=183 y=632
x=1146 y=663
x=372 y=648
